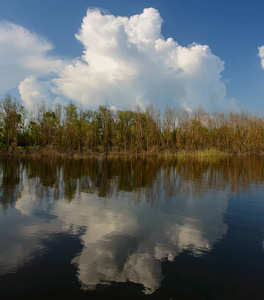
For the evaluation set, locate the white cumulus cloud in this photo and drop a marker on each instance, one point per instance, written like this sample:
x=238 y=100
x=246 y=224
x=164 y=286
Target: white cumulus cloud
x=23 y=54
x=34 y=91
x=125 y=61
x=128 y=59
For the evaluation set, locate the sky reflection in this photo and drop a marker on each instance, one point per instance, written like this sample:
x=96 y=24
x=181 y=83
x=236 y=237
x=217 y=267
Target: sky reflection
x=126 y=233
x=121 y=242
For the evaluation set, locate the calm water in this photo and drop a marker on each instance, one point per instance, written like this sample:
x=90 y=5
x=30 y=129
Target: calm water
x=132 y=229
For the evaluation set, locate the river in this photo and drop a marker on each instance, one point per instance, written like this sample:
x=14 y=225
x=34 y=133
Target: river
x=132 y=228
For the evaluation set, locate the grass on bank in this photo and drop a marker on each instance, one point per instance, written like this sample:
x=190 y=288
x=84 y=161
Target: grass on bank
x=153 y=153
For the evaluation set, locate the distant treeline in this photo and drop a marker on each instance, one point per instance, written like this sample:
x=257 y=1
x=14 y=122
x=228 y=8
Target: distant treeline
x=73 y=129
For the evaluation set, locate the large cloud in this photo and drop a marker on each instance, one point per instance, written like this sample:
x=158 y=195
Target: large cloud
x=125 y=61
x=128 y=59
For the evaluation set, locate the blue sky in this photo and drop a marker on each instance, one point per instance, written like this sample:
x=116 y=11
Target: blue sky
x=233 y=30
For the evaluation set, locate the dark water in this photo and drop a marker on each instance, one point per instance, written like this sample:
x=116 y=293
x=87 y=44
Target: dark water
x=132 y=228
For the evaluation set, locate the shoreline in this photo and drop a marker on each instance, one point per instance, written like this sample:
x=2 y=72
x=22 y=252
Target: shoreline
x=131 y=154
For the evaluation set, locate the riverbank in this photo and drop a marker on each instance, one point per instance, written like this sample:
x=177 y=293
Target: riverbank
x=47 y=152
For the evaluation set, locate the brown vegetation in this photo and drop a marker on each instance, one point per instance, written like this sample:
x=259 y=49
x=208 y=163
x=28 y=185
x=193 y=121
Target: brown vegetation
x=73 y=130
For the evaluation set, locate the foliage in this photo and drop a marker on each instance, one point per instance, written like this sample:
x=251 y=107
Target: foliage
x=74 y=129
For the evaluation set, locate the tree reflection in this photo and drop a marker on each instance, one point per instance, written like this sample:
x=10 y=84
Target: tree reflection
x=146 y=178
x=11 y=175
x=123 y=242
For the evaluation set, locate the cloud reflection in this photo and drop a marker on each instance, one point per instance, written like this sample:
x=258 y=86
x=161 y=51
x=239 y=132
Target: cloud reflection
x=121 y=245
x=25 y=232
x=123 y=240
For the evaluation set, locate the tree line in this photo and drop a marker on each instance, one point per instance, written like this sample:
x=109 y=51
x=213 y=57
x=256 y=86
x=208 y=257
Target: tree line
x=74 y=129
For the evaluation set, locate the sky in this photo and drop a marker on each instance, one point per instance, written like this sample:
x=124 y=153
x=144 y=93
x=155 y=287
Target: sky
x=183 y=53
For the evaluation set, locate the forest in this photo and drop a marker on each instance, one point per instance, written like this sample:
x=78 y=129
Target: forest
x=75 y=130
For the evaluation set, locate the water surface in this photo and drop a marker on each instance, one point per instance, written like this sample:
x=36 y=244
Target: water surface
x=132 y=228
